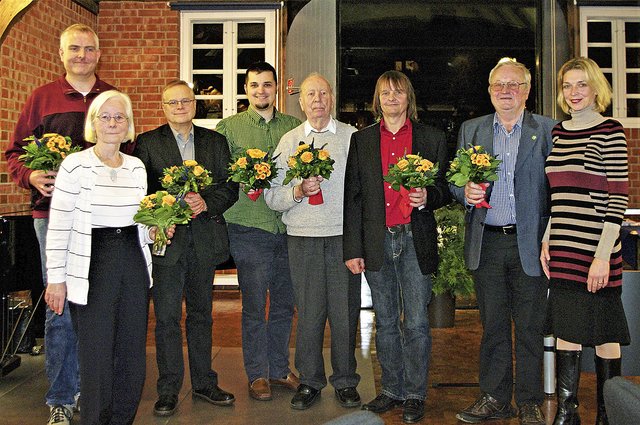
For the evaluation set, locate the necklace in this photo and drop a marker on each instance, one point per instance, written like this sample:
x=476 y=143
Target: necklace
x=113 y=173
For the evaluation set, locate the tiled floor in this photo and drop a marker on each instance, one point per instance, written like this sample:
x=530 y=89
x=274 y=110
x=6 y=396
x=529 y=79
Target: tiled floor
x=453 y=377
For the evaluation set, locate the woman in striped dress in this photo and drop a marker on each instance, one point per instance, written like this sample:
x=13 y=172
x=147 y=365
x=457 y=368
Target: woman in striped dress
x=581 y=251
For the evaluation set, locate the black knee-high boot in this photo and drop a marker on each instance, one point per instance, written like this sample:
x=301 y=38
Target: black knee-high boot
x=568 y=378
x=605 y=369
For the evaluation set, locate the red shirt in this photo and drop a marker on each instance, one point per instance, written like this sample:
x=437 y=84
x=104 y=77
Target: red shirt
x=392 y=147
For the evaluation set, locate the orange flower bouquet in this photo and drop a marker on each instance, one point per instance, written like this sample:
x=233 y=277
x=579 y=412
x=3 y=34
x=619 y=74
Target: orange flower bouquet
x=188 y=177
x=474 y=165
x=410 y=172
x=309 y=161
x=162 y=209
x=254 y=170
x=48 y=152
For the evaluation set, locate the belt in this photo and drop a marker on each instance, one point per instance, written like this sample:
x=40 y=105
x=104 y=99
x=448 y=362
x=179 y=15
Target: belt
x=399 y=228
x=509 y=229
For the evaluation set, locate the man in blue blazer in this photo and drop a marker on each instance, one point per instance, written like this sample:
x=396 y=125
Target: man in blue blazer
x=398 y=251
x=502 y=247
x=189 y=264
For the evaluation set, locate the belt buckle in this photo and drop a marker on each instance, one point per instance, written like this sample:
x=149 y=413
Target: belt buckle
x=507 y=230
x=395 y=229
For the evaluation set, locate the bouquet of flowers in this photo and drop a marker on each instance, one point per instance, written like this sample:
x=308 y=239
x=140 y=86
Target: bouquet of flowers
x=162 y=209
x=410 y=172
x=473 y=165
x=309 y=161
x=188 y=177
x=47 y=152
x=255 y=169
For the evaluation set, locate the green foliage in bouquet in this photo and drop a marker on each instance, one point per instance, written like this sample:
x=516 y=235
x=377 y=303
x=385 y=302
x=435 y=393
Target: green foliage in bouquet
x=473 y=165
x=48 y=152
x=188 y=177
x=309 y=161
x=411 y=171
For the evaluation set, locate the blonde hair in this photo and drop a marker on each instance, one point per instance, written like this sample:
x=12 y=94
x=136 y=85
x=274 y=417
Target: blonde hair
x=399 y=81
x=593 y=77
x=82 y=28
x=511 y=62
x=92 y=113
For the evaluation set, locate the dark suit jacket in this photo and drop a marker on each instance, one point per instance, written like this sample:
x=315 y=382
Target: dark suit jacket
x=158 y=150
x=531 y=188
x=364 y=208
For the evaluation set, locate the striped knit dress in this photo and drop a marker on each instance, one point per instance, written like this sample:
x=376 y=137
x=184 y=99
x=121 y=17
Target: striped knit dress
x=588 y=175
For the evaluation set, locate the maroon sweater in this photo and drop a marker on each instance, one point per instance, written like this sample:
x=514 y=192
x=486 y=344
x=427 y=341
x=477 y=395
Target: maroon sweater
x=55 y=107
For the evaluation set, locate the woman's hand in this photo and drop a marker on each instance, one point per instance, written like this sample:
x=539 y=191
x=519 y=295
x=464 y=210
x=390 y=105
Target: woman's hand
x=598 y=276
x=55 y=295
x=544 y=258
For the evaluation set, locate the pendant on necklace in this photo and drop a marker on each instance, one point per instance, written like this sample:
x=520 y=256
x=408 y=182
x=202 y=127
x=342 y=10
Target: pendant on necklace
x=114 y=175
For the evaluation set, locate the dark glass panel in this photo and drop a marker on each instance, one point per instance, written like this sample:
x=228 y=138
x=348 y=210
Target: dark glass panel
x=599 y=32
x=633 y=83
x=207 y=58
x=209 y=108
x=251 y=33
x=633 y=108
x=633 y=57
x=207 y=33
x=207 y=84
x=601 y=55
x=632 y=32
x=248 y=56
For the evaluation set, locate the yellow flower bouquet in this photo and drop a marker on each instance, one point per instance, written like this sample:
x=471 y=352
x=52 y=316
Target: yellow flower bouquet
x=185 y=178
x=309 y=161
x=48 y=152
x=473 y=165
x=410 y=172
x=254 y=170
x=162 y=209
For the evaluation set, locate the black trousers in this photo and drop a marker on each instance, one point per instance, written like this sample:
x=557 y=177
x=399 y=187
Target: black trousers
x=112 y=328
x=505 y=293
x=192 y=279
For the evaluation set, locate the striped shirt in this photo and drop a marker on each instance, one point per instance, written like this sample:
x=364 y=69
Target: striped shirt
x=588 y=174
x=249 y=130
x=503 y=199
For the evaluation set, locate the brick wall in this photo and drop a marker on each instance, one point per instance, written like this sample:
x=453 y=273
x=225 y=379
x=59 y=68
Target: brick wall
x=29 y=58
x=140 y=53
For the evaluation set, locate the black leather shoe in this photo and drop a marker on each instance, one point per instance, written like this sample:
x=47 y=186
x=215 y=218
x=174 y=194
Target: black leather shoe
x=413 y=411
x=486 y=408
x=530 y=414
x=215 y=395
x=348 y=397
x=166 y=405
x=304 y=398
x=381 y=404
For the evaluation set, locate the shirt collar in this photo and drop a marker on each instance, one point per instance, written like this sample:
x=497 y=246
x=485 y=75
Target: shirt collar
x=178 y=136
x=406 y=125
x=498 y=124
x=330 y=127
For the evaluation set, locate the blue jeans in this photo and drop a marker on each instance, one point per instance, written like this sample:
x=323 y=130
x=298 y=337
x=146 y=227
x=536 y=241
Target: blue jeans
x=60 y=341
x=263 y=265
x=403 y=345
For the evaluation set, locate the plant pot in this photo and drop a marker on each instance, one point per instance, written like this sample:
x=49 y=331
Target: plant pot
x=442 y=310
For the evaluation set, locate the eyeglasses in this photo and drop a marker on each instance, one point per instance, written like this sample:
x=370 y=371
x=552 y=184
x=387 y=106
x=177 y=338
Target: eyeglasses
x=119 y=118
x=174 y=102
x=511 y=86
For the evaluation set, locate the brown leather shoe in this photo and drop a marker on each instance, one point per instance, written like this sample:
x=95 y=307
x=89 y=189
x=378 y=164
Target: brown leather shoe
x=290 y=381
x=260 y=390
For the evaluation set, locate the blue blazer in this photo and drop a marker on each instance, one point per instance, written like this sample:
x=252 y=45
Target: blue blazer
x=364 y=208
x=158 y=150
x=531 y=188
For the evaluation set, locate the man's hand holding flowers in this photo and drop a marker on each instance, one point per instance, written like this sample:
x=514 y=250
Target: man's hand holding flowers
x=474 y=168
x=411 y=176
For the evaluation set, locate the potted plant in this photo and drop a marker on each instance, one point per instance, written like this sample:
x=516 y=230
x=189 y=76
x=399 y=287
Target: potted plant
x=453 y=278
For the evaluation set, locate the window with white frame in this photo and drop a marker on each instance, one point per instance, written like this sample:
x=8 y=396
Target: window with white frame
x=216 y=49
x=611 y=37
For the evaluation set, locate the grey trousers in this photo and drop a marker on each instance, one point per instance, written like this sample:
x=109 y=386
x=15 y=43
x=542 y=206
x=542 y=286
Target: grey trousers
x=324 y=289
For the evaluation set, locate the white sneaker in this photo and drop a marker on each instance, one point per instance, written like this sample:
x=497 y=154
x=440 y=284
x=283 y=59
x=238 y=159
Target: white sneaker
x=59 y=415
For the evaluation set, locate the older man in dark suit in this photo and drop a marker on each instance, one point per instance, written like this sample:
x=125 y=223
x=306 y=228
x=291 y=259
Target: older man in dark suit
x=196 y=248
x=398 y=252
x=502 y=247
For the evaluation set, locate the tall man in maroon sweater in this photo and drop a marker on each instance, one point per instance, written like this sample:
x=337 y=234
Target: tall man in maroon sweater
x=58 y=107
